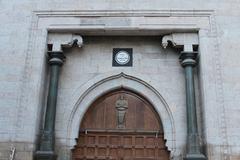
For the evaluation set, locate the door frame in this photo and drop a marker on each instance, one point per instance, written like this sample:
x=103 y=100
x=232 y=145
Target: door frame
x=99 y=86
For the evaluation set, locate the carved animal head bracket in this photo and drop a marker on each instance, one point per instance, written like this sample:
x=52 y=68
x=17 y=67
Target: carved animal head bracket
x=185 y=40
x=59 y=41
x=121 y=107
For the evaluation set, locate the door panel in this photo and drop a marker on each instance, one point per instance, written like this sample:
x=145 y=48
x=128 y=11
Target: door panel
x=121 y=126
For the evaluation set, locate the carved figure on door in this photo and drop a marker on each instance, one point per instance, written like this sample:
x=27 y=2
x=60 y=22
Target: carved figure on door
x=121 y=107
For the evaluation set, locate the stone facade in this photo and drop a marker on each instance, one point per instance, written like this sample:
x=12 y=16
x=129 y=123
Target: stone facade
x=27 y=28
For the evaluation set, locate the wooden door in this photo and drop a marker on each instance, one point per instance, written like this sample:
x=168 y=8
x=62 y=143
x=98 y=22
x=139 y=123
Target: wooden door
x=121 y=126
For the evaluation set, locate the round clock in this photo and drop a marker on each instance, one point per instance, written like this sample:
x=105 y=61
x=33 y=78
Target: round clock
x=122 y=57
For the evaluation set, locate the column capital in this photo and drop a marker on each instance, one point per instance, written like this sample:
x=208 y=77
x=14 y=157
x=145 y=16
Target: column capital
x=181 y=40
x=188 y=58
x=56 y=58
x=64 y=40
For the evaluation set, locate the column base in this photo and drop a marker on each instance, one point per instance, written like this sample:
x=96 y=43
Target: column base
x=45 y=155
x=198 y=156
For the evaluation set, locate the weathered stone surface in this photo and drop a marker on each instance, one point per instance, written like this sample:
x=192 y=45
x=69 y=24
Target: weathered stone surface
x=23 y=71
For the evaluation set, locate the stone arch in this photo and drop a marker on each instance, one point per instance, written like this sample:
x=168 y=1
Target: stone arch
x=109 y=82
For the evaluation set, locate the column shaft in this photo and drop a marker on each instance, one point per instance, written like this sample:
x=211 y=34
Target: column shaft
x=192 y=130
x=49 y=124
x=188 y=61
x=46 y=147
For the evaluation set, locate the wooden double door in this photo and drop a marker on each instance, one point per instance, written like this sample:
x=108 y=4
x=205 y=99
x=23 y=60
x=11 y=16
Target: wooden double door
x=121 y=126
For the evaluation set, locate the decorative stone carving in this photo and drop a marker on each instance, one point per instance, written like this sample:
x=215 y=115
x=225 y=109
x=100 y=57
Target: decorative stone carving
x=185 y=40
x=121 y=107
x=60 y=41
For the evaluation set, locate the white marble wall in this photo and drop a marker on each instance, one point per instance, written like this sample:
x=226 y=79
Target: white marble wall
x=23 y=44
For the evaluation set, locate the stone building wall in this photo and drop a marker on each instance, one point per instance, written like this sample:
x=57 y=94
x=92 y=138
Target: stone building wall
x=23 y=71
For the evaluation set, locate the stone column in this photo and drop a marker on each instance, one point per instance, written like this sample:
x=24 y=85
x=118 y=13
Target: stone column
x=188 y=61
x=46 y=148
x=47 y=136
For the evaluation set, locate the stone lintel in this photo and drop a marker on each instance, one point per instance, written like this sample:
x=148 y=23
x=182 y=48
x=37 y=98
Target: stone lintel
x=64 y=40
x=182 y=40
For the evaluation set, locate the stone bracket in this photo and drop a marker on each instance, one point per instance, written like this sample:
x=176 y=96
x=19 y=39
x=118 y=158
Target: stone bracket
x=64 y=40
x=185 y=40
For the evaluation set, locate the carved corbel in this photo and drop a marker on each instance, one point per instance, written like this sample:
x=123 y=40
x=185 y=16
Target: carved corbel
x=182 y=40
x=61 y=40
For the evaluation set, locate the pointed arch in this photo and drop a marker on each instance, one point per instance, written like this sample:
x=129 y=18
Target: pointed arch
x=97 y=87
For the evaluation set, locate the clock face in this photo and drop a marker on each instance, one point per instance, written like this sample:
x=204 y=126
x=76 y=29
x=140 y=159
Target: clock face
x=122 y=57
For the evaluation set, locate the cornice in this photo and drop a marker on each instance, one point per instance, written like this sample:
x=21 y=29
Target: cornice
x=123 y=13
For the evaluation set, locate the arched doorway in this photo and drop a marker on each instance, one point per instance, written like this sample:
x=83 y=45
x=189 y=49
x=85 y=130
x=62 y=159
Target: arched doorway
x=121 y=125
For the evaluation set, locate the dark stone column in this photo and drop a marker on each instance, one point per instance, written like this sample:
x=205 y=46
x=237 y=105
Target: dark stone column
x=188 y=61
x=46 y=146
